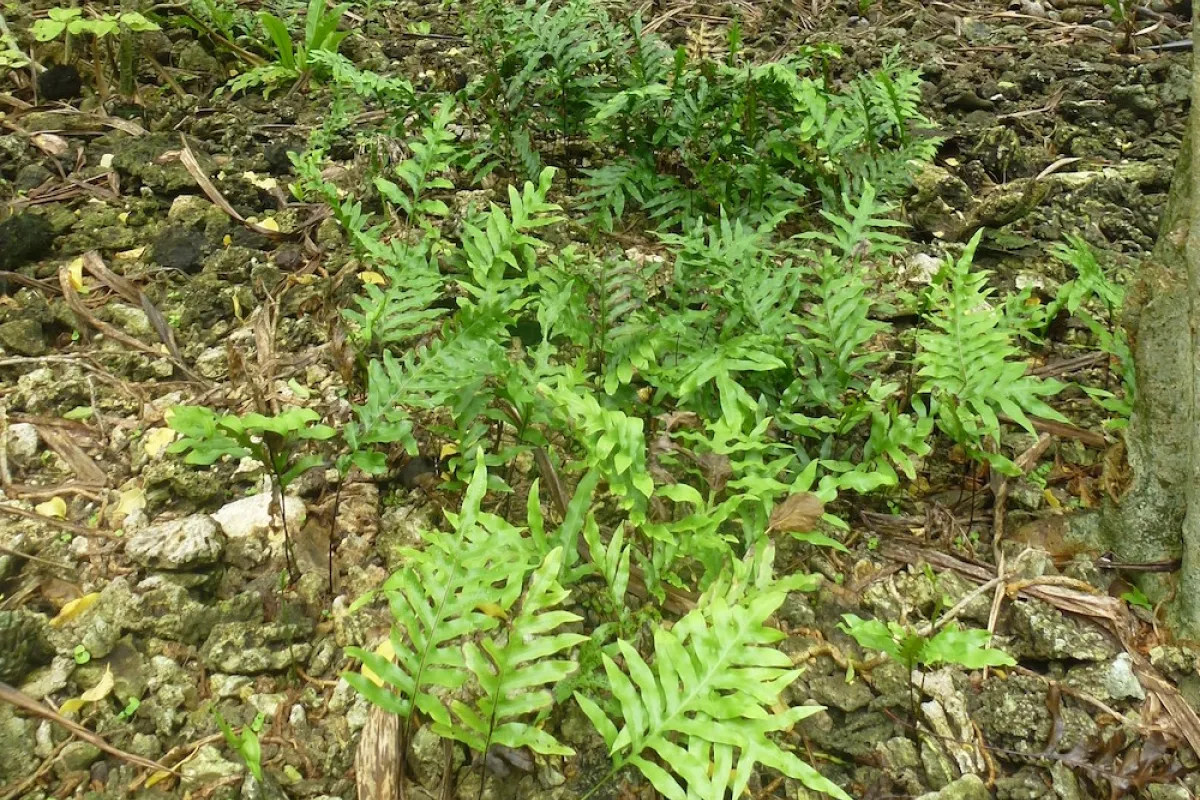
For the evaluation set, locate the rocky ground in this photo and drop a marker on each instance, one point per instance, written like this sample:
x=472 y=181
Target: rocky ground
x=116 y=559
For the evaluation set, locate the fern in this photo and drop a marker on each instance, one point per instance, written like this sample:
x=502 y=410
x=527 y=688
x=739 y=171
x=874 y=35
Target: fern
x=511 y=674
x=439 y=600
x=697 y=721
x=969 y=364
x=432 y=157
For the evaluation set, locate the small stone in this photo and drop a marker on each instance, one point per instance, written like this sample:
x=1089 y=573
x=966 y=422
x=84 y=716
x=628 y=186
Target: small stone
x=207 y=768
x=213 y=363
x=23 y=336
x=132 y=320
x=251 y=516
x=23 y=443
x=968 y=787
x=226 y=687
x=246 y=648
x=1042 y=632
x=195 y=541
x=78 y=756
x=60 y=82
x=23 y=238
x=267 y=704
x=181 y=249
x=834 y=692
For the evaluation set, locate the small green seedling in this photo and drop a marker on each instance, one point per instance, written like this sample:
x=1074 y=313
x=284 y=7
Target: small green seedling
x=274 y=441
x=70 y=23
x=81 y=654
x=295 y=61
x=245 y=744
x=130 y=709
x=967 y=648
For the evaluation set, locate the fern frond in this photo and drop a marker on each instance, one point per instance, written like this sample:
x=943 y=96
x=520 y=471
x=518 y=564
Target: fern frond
x=969 y=364
x=512 y=673
x=432 y=157
x=436 y=600
x=697 y=721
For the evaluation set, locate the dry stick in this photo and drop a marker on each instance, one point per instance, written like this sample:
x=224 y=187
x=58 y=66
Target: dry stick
x=58 y=523
x=116 y=334
x=18 y=554
x=27 y=703
x=47 y=764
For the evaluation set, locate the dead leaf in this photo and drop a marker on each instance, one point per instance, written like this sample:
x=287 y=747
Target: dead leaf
x=73 y=609
x=50 y=144
x=102 y=689
x=797 y=514
x=55 y=508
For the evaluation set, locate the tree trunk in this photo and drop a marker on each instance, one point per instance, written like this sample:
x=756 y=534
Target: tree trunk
x=1158 y=517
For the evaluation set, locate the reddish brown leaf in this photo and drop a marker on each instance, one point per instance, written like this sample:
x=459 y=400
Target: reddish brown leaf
x=797 y=514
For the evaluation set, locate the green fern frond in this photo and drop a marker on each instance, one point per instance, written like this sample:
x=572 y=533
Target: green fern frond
x=969 y=364
x=512 y=674
x=697 y=722
x=437 y=600
x=424 y=172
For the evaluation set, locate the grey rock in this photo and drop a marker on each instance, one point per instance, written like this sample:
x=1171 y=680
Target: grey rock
x=208 y=767
x=24 y=337
x=23 y=443
x=131 y=320
x=1108 y=681
x=1043 y=632
x=17 y=757
x=833 y=691
x=24 y=643
x=188 y=543
x=78 y=756
x=968 y=787
x=245 y=648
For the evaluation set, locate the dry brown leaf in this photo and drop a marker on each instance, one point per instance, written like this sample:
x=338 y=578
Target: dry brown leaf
x=797 y=514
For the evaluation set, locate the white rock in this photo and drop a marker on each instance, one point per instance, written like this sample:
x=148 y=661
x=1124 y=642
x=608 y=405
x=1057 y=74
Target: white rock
x=251 y=516
x=23 y=444
x=194 y=541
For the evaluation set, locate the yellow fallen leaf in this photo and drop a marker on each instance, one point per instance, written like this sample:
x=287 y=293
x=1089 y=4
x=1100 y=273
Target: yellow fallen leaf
x=1051 y=499
x=123 y=217
x=156 y=440
x=448 y=449
x=131 y=500
x=373 y=278
x=493 y=610
x=270 y=224
x=157 y=777
x=71 y=706
x=130 y=255
x=75 y=270
x=74 y=609
x=55 y=507
x=384 y=649
x=227 y=240
x=237 y=307
x=102 y=689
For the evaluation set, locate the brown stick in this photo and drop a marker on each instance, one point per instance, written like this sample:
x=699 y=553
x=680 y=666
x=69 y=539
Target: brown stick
x=27 y=703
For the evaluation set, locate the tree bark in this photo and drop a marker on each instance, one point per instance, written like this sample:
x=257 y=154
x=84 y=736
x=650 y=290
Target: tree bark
x=1158 y=518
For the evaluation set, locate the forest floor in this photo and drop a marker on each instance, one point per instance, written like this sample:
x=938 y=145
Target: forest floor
x=162 y=581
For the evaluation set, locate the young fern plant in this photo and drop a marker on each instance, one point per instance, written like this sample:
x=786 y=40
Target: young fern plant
x=696 y=720
x=970 y=367
x=293 y=62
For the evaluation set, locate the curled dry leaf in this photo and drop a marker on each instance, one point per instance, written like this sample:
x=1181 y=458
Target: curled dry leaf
x=50 y=144
x=799 y=513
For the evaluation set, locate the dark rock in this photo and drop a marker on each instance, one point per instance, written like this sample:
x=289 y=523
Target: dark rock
x=181 y=249
x=23 y=644
x=30 y=177
x=23 y=238
x=276 y=154
x=289 y=258
x=60 y=82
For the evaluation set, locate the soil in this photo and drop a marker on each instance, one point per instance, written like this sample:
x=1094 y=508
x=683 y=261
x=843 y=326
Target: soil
x=1049 y=129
